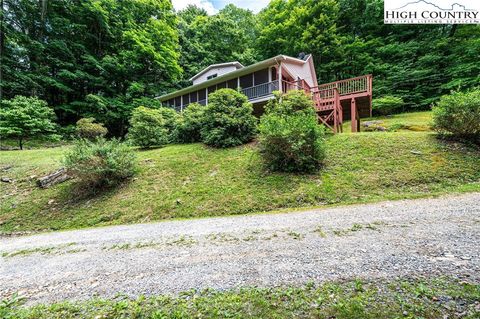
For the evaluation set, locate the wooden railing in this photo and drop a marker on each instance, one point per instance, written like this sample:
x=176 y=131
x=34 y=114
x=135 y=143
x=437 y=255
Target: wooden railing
x=260 y=90
x=358 y=85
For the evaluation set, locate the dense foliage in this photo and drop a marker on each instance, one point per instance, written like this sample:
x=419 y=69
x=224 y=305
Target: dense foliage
x=190 y=124
x=89 y=58
x=170 y=119
x=103 y=58
x=387 y=105
x=228 y=119
x=100 y=163
x=148 y=127
x=25 y=117
x=87 y=128
x=290 y=138
x=459 y=114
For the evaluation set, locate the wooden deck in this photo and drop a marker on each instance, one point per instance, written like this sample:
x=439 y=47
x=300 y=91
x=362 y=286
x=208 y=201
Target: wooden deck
x=336 y=101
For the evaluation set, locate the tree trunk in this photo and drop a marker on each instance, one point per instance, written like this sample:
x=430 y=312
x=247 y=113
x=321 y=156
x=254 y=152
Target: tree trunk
x=2 y=47
x=20 y=143
x=56 y=177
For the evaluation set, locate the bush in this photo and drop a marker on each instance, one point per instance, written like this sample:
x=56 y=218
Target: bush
x=291 y=140
x=147 y=128
x=170 y=118
x=190 y=124
x=86 y=128
x=100 y=163
x=387 y=105
x=292 y=102
x=26 y=117
x=458 y=114
x=228 y=119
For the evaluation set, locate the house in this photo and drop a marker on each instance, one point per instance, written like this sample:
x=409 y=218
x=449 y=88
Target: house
x=333 y=101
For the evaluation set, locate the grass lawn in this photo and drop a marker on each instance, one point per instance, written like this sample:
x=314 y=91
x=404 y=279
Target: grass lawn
x=439 y=298
x=184 y=181
x=404 y=122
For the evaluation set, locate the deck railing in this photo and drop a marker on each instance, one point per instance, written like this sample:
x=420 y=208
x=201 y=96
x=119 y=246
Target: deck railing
x=361 y=84
x=260 y=90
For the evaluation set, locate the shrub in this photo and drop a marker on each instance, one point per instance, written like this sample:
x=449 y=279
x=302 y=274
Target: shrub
x=228 y=119
x=100 y=163
x=25 y=117
x=291 y=140
x=387 y=105
x=170 y=118
x=293 y=101
x=86 y=128
x=458 y=114
x=147 y=128
x=190 y=124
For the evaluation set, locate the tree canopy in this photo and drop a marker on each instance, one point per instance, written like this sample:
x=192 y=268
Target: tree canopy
x=103 y=58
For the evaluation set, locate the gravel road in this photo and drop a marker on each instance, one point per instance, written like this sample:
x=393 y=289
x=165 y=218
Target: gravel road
x=384 y=240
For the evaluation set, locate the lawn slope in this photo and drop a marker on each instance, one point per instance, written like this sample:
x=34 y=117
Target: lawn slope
x=183 y=181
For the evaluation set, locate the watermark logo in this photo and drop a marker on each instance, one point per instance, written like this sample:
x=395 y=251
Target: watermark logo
x=432 y=11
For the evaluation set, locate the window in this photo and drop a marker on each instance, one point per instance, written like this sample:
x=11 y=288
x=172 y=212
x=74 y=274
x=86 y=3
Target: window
x=211 y=76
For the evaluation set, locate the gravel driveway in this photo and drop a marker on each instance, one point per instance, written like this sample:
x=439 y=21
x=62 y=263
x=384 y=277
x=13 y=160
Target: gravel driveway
x=383 y=240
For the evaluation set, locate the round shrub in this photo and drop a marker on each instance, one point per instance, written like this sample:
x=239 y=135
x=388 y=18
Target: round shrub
x=458 y=114
x=291 y=140
x=147 y=128
x=292 y=102
x=387 y=105
x=170 y=118
x=100 y=163
x=190 y=124
x=87 y=128
x=228 y=119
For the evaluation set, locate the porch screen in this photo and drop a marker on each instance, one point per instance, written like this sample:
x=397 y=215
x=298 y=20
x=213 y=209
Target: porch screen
x=232 y=84
x=260 y=77
x=193 y=97
x=246 y=81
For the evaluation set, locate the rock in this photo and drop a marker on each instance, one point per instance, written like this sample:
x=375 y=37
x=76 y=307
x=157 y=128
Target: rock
x=6 y=180
x=6 y=168
x=416 y=152
x=50 y=202
x=370 y=123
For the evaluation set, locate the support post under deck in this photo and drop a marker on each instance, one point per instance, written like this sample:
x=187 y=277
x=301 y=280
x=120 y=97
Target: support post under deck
x=354 y=116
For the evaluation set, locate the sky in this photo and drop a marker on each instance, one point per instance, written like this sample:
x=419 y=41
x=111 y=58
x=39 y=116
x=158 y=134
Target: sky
x=212 y=6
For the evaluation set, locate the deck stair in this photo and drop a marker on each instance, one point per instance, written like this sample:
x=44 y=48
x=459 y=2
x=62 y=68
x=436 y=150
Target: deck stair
x=349 y=99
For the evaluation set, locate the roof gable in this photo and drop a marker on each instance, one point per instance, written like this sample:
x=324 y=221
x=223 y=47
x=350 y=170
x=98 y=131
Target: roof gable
x=236 y=64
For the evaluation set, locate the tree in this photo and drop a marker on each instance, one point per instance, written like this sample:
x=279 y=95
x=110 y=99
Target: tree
x=25 y=117
x=89 y=58
x=226 y=36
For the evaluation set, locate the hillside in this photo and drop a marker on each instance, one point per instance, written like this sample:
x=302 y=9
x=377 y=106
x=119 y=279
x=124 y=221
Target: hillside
x=183 y=181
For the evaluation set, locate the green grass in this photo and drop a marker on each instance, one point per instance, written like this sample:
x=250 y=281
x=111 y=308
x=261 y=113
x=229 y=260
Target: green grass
x=405 y=122
x=438 y=298
x=184 y=181
x=33 y=143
